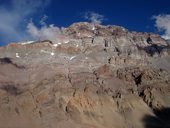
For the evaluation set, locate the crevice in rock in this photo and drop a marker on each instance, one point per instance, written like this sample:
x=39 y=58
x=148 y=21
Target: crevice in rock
x=109 y=60
x=36 y=105
x=106 y=43
x=40 y=114
x=141 y=93
x=105 y=49
x=149 y=40
x=66 y=109
x=74 y=93
x=17 y=111
x=92 y=41
x=138 y=79
x=118 y=51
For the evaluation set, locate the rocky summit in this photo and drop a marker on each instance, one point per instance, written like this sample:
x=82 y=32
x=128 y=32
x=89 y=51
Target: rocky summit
x=92 y=76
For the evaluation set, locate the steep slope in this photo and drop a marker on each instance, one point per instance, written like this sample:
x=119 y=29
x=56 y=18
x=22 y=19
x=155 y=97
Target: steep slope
x=94 y=77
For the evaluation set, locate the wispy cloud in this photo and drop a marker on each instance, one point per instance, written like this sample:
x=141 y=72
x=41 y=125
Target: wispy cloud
x=94 y=17
x=49 y=32
x=162 y=22
x=14 y=16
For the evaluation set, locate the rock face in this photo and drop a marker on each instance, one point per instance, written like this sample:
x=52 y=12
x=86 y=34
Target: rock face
x=95 y=77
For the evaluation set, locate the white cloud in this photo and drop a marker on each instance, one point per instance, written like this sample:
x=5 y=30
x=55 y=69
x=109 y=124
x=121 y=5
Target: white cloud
x=162 y=22
x=14 y=16
x=46 y=32
x=94 y=17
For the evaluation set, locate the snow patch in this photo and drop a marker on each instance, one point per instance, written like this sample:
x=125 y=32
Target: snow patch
x=123 y=29
x=47 y=52
x=27 y=42
x=43 y=51
x=89 y=36
x=66 y=41
x=55 y=45
x=72 y=57
x=52 y=53
x=165 y=37
x=93 y=28
x=17 y=55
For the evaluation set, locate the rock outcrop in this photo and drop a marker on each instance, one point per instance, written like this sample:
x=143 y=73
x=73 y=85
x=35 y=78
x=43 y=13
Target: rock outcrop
x=95 y=77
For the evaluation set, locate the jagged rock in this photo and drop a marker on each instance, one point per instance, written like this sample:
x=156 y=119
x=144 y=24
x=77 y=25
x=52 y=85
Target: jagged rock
x=93 y=76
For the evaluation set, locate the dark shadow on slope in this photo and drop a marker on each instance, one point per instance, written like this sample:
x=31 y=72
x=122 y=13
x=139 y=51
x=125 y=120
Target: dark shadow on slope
x=7 y=60
x=160 y=120
x=11 y=89
x=42 y=41
x=154 y=48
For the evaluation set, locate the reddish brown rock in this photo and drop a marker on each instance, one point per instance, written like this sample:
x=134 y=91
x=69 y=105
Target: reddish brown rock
x=94 y=76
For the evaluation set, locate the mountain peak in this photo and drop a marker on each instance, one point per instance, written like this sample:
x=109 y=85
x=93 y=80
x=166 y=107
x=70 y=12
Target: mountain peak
x=91 y=76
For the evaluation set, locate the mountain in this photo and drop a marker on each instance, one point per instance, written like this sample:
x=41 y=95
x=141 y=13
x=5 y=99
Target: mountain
x=92 y=76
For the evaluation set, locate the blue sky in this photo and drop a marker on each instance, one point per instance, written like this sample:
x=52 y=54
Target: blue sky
x=135 y=15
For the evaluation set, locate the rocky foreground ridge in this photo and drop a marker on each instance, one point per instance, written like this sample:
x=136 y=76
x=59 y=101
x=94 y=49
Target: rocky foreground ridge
x=92 y=76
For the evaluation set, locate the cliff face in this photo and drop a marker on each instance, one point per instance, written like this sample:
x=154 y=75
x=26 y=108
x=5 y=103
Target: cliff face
x=93 y=77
